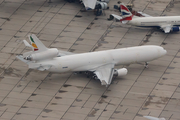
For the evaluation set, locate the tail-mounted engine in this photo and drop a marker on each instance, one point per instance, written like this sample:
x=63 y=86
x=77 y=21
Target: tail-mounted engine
x=120 y=72
x=44 y=55
x=100 y=6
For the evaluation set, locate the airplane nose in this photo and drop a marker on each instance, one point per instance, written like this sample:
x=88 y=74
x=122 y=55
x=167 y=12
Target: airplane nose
x=163 y=51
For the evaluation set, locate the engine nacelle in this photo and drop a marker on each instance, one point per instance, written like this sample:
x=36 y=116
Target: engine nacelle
x=175 y=28
x=50 y=53
x=101 y=5
x=120 y=72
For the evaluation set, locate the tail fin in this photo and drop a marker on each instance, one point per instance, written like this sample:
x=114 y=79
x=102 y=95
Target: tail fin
x=36 y=43
x=154 y=118
x=125 y=13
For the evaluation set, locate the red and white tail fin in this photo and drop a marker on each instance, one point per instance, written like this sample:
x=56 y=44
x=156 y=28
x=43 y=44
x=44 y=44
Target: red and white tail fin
x=125 y=13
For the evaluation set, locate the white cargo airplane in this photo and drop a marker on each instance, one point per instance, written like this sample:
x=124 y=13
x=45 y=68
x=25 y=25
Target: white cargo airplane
x=154 y=118
x=100 y=63
x=166 y=23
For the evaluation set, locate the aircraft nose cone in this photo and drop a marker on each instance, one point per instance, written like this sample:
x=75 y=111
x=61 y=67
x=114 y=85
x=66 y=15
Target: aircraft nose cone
x=163 y=51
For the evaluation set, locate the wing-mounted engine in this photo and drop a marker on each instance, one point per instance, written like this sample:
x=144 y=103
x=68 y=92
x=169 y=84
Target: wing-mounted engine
x=175 y=28
x=43 y=55
x=100 y=6
x=120 y=72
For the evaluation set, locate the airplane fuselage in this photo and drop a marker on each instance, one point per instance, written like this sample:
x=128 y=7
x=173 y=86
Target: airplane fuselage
x=90 y=61
x=155 y=21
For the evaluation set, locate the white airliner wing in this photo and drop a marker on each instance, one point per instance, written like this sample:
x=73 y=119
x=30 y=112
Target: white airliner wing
x=153 y=118
x=144 y=14
x=166 y=28
x=89 y=4
x=105 y=73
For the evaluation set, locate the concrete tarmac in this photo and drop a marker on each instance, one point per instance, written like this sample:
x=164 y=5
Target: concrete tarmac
x=27 y=94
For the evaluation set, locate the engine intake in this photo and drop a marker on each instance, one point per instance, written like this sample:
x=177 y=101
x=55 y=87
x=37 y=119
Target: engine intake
x=50 y=53
x=120 y=72
x=101 y=5
x=175 y=28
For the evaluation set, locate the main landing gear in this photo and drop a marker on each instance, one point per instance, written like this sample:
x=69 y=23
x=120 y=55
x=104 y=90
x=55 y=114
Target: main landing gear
x=146 y=65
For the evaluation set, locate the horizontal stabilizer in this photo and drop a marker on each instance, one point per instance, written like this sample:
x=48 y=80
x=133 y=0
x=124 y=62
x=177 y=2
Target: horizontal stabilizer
x=20 y=57
x=33 y=65
x=117 y=16
x=40 y=67
x=124 y=21
x=27 y=44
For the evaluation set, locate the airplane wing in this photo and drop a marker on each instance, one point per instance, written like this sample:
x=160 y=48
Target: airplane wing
x=105 y=73
x=153 y=118
x=144 y=14
x=166 y=28
x=89 y=4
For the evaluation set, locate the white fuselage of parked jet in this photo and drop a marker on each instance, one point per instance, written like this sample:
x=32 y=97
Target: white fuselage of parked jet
x=165 y=23
x=155 y=21
x=91 y=61
x=100 y=63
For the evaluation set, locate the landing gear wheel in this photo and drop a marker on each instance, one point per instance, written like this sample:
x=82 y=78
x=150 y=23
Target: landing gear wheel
x=146 y=65
x=98 y=12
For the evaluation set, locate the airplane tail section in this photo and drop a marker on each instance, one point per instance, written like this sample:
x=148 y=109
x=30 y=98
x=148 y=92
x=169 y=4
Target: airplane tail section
x=36 y=44
x=125 y=13
x=40 y=54
x=40 y=51
x=89 y=4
